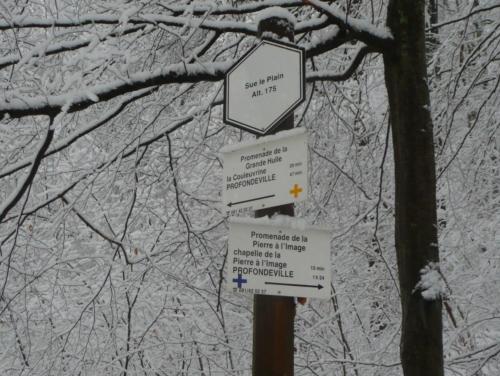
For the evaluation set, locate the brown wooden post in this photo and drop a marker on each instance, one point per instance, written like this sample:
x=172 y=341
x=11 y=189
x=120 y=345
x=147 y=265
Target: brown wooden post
x=274 y=315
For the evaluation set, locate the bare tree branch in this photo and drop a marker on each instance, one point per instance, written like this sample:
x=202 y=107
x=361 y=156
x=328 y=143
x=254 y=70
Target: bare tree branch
x=80 y=133
x=463 y=18
x=18 y=192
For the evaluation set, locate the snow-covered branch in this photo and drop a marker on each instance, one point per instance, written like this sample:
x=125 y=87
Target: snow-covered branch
x=65 y=46
x=128 y=151
x=16 y=107
x=152 y=19
x=333 y=76
x=110 y=238
x=82 y=132
x=371 y=35
x=201 y=8
x=329 y=40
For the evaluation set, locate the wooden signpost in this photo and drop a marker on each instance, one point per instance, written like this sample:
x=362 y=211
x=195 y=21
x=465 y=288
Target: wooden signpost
x=270 y=259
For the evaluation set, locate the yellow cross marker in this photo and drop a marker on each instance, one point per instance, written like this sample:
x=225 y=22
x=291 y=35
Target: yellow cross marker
x=295 y=191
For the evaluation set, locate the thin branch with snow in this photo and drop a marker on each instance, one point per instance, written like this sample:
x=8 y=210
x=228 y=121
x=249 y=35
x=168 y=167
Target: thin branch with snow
x=373 y=36
x=18 y=192
x=82 y=132
x=333 y=76
x=16 y=107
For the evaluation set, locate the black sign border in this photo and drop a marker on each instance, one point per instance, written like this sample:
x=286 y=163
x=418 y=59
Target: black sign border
x=285 y=113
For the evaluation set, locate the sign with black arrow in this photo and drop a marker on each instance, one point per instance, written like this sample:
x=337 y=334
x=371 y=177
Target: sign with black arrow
x=279 y=256
x=266 y=172
x=318 y=286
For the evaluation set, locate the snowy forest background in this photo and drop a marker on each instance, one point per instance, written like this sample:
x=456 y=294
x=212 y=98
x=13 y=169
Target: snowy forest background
x=111 y=261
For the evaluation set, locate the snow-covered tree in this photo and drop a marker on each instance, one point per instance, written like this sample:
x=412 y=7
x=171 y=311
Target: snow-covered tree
x=112 y=239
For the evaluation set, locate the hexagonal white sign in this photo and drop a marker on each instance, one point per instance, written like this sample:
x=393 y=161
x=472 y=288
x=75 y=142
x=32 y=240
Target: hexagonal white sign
x=264 y=86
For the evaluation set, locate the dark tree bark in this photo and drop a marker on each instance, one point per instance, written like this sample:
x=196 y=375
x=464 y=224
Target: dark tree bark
x=416 y=222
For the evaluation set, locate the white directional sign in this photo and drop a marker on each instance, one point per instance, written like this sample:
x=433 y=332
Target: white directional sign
x=264 y=86
x=267 y=172
x=278 y=256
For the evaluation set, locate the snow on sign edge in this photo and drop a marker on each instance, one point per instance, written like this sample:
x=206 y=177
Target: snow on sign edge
x=283 y=221
x=263 y=140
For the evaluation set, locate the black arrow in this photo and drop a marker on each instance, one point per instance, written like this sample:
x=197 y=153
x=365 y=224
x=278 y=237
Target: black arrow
x=318 y=286
x=252 y=199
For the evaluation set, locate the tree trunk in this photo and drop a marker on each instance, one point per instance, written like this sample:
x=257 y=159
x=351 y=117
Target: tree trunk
x=416 y=222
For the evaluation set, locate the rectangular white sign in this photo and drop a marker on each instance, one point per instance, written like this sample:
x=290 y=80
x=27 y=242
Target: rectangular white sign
x=267 y=172
x=278 y=256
